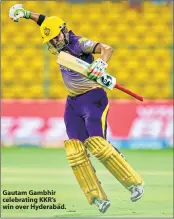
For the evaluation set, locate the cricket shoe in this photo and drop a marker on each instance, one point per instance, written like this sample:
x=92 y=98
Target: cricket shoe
x=101 y=204
x=137 y=192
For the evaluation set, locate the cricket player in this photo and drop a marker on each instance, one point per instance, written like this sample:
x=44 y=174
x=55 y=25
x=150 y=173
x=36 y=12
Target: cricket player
x=86 y=110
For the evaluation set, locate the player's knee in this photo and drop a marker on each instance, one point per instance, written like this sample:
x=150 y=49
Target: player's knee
x=76 y=152
x=99 y=147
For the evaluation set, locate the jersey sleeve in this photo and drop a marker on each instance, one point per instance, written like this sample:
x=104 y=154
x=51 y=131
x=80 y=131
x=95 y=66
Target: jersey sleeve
x=87 y=46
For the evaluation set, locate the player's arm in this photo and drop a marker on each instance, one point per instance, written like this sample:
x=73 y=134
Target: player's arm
x=98 y=67
x=105 y=51
x=17 y=11
x=38 y=18
x=34 y=16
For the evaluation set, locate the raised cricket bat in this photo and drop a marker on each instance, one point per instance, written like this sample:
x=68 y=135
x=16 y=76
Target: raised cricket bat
x=81 y=67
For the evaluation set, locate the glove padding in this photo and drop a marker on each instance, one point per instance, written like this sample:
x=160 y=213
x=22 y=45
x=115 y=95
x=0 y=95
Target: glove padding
x=17 y=11
x=97 y=69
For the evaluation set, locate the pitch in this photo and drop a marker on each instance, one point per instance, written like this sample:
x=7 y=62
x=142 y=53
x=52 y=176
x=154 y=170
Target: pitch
x=39 y=169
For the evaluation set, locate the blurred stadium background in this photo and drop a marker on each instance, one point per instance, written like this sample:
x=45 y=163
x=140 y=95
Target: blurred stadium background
x=33 y=100
x=142 y=41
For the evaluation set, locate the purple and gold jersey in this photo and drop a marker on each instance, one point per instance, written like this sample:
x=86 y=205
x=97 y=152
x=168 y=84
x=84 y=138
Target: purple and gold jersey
x=81 y=48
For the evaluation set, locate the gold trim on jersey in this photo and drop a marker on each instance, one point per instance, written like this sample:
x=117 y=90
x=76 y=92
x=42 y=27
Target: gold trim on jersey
x=103 y=119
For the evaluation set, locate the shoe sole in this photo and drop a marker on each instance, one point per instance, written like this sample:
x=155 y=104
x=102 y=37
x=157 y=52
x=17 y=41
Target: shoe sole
x=105 y=207
x=137 y=198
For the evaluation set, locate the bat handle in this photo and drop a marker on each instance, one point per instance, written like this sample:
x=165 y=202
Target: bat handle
x=118 y=86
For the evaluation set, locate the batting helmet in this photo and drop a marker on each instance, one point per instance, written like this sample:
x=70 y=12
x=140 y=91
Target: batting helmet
x=51 y=27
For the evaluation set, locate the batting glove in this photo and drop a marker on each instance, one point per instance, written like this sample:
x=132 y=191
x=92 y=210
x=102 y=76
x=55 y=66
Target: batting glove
x=17 y=11
x=97 y=69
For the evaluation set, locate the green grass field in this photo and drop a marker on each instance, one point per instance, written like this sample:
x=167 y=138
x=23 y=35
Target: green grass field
x=38 y=169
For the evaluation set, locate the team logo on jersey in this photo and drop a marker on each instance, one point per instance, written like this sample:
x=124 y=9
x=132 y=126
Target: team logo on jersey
x=46 y=31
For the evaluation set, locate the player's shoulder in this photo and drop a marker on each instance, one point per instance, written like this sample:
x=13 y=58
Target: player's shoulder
x=82 y=39
x=77 y=38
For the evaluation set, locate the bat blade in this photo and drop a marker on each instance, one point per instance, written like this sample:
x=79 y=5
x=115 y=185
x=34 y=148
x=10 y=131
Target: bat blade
x=81 y=67
x=72 y=63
